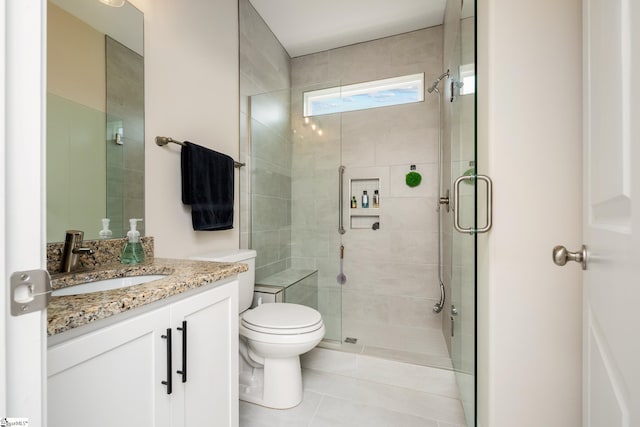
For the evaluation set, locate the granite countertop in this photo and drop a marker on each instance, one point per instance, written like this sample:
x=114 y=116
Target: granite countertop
x=68 y=312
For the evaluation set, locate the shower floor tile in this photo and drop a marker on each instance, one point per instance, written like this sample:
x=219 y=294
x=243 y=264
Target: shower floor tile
x=434 y=358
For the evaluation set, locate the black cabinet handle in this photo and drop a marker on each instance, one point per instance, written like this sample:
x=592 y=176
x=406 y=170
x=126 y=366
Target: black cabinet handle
x=168 y=382
x=183 y=371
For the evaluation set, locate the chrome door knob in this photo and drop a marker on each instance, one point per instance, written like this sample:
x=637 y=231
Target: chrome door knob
x=561 y=255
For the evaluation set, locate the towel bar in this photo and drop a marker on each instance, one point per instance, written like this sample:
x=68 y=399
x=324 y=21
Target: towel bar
x=164 y=140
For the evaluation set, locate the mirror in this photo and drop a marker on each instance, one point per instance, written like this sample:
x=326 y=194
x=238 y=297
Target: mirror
x=95 y=117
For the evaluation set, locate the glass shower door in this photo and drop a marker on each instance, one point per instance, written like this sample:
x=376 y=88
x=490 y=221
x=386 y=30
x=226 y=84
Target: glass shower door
x=461 y=93
x=294 y=203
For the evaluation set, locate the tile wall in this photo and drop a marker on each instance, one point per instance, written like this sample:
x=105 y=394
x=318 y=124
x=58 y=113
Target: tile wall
x=265 y=98
x=392 y=272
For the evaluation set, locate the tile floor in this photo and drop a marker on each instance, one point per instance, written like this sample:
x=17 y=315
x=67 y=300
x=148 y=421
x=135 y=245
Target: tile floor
x=354 y=390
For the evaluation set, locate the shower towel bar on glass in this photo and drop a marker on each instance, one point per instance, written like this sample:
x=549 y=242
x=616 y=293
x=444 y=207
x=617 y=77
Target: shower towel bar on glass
x=164 y=140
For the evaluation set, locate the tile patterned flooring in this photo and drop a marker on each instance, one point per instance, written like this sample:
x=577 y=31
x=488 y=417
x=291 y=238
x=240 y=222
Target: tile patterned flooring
x=354 y=390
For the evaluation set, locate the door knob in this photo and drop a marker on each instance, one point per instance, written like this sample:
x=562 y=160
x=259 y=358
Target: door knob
x=561 y=255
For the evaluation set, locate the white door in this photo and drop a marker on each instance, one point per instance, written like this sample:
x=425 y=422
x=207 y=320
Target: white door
x=611 y=349
x=23 y=339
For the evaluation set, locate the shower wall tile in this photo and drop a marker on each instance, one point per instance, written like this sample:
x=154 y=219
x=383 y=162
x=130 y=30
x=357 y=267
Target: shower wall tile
x=407 y=146
x=428 y=185
x=272 y=147
x=272 y=180
x=309 y=243
x=389 y=309
x=133 y=148
x=310 y=70
x=274 y=213
x=359 y=150
x=303 y=215
x=272 y=111
x=303 y=161
x=266 y=244
x=330 y=305
x=303 y=263
x=367 y=245
x=391 y=273
x=264 y=62
x=270 y=270
x=387 y=278
x=411 y=213
x=265 y=182
x=326 y=213
x=134 y=184
x=414 y=246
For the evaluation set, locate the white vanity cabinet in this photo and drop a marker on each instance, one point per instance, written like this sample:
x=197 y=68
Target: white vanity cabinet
x=117 y=374
x=110 y=376
x=209 y=396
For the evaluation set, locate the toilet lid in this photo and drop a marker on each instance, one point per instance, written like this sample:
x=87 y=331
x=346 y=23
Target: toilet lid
x=282 y=318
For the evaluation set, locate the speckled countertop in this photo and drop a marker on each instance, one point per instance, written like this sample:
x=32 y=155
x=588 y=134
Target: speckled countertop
x=68 y=312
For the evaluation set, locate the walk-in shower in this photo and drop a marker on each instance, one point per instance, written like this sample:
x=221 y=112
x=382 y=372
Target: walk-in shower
x=410 y=292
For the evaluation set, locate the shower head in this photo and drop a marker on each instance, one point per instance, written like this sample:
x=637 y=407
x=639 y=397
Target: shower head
x=434 y=85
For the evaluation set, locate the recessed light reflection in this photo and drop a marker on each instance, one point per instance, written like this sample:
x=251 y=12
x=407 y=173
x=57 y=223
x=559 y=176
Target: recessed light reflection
x=113 y=3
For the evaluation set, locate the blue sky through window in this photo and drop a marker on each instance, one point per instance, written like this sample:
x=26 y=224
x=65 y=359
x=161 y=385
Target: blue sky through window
x=361 y=96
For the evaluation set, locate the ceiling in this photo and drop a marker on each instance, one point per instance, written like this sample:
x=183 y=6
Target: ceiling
x=306 y=26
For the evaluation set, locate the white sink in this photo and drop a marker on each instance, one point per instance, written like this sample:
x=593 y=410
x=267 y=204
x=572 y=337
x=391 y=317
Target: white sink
x=106 y=285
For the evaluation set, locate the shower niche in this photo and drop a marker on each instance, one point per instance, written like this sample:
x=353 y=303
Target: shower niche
x=361 y=217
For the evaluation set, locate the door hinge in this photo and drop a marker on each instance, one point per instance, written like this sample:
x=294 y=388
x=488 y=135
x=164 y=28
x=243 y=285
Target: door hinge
x=30 y=291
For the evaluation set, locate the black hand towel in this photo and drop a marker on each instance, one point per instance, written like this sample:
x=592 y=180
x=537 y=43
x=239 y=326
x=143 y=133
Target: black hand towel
x=207 y=185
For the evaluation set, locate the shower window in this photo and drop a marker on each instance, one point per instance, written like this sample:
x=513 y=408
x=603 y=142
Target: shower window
x=468 y=78
x=362 y=96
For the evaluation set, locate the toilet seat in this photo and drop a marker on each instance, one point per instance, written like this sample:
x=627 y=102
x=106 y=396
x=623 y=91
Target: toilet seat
x=282 y=319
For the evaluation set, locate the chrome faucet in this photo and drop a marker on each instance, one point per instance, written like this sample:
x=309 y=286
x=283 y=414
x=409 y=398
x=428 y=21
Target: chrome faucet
x=72 y=250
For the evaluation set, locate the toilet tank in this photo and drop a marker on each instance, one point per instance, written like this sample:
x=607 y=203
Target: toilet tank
x=246 y=280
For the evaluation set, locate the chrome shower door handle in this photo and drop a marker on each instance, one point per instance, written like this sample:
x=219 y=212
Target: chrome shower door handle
x=561 y=255
x=341 y=229
x=456 y=204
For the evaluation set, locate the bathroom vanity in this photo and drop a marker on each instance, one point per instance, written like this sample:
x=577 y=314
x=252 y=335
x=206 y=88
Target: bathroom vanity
x=164 y=353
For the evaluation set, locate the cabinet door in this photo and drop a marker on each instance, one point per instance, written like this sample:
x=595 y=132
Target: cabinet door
x=111 y=376
x=209 y=397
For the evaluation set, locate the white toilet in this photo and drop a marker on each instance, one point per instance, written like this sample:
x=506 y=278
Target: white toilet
x=272 y=338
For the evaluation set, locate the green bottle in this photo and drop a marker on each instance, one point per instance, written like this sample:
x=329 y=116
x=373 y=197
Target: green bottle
x=133 y=253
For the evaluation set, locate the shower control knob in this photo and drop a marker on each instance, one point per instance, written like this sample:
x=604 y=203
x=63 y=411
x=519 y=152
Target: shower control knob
x=561 y=255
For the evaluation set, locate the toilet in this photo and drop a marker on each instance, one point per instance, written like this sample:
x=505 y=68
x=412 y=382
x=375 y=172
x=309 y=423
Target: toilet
x=272 y=338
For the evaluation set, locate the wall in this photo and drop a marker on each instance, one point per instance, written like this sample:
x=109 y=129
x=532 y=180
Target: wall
x=392 y=272
x=264 y=92
x=529 y=136
x=76 y=157
x=75 y=59
x=191 y=93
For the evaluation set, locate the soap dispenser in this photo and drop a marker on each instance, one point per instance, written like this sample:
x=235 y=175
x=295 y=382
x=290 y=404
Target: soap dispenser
x=133 y=252
x=105 y=233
